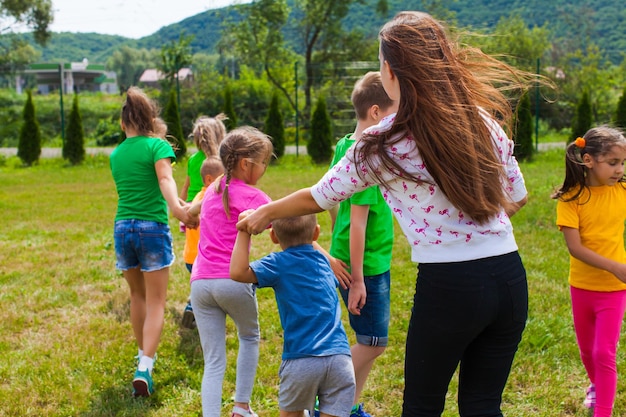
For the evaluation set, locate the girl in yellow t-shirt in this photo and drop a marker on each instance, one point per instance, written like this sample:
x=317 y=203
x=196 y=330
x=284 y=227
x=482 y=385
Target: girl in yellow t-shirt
x=591 y=211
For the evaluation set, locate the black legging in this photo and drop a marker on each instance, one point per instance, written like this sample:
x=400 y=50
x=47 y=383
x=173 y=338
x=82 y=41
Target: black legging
x=471 y=312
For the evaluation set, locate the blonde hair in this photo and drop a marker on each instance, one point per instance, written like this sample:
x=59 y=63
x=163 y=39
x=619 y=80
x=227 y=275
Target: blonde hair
x=141 y=113
x=208 y=133
x=242 y=142
x=212 y=166
x=445 y=92
x=294 y=231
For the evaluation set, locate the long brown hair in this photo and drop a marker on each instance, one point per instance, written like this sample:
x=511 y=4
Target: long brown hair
x=445 y=92
x=141 y=113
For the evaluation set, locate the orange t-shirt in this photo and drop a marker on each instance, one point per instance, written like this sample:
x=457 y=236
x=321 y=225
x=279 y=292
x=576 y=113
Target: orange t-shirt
x=192 y=236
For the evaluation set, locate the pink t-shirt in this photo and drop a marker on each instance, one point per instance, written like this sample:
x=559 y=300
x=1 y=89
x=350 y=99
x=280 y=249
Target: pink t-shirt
x=217 y=231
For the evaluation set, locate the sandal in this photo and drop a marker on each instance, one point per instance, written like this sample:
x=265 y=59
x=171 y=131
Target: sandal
x=243 y=412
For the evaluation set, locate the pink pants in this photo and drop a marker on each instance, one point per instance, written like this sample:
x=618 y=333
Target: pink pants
x=598 y=321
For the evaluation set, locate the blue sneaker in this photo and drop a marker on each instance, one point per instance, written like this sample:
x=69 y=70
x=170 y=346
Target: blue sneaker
x=142 y=384
x=357 y=411
x=189 y=320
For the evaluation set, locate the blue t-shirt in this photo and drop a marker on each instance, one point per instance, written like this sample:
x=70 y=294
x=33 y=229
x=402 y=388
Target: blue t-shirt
x=306 y=294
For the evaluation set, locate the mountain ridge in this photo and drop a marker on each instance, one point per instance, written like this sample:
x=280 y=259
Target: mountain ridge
x=569 y=20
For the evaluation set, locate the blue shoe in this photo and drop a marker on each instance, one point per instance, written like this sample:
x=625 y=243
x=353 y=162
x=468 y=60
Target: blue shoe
x=189 y=320
x=359 y=412
x=142 y=384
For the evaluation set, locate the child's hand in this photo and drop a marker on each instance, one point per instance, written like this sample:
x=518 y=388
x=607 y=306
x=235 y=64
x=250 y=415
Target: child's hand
x=340 y=268
x=620 y=272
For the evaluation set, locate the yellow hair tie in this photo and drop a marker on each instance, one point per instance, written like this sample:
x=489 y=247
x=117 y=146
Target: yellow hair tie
x=580 y=142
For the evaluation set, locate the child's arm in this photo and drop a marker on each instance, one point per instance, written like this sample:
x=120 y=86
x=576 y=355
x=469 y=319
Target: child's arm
x=358 y=224
x=240 y=270
x=578 y=251
x=167 y=185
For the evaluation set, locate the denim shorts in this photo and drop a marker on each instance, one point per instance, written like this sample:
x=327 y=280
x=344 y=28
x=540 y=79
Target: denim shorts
x=372 y=325
x=142 y=243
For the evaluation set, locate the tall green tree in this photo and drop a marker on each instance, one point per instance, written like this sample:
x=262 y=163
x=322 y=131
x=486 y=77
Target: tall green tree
x=35 y=14
x=129 y=63
x=583 y=118
x=319 y=146
x=258 y=37
x=74 y=145
x=229 y=109
x=275 y=128
x=524 y=130
x=171 y=116
x=174 y=56
x=15 y=52
x=29 y=146
x=257 y=41
x=620 y=114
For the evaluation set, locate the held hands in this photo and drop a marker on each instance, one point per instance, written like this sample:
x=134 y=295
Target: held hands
x=252 y=222
x=184 y=216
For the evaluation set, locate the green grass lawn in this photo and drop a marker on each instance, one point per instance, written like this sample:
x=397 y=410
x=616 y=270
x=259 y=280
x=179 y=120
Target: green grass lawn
x=66 y=345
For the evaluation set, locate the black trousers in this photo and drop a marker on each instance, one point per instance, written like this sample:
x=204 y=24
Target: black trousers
x=469 y=313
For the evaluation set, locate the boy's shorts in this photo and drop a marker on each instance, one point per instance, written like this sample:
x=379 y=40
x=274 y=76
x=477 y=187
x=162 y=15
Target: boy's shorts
x=330 y=378
x=372 y=325
x=142 y=243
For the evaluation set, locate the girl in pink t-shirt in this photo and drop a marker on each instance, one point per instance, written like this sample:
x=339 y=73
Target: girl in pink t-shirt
x=245 y=153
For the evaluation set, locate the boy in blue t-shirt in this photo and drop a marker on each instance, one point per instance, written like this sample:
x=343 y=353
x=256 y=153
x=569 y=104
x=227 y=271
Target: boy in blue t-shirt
x=316 y=353
x=363 y=239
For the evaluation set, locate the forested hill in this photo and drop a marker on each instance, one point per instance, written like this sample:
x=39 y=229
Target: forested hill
x=577 y=21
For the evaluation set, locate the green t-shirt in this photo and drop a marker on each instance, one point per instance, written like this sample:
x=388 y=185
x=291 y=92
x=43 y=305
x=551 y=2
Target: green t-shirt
x=196 y=181
x=379 y=229
x=132 y=165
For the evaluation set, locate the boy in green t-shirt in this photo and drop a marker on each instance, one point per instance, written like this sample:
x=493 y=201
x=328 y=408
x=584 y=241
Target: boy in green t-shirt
x=363 y=239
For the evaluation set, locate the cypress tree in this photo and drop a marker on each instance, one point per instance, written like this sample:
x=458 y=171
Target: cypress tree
x=74 y=145
x=524 y=130
x=171 y=115
x=583 y=118
x=229 y=110
x=29 y=146
x=319 y=146
x=620 y=116
x=274 y=127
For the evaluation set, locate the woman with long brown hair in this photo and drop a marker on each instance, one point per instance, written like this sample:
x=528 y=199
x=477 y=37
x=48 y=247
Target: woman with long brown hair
x=446 y=168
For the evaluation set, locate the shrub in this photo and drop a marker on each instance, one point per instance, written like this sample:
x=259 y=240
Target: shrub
x=171 y=115
x=108 y=132
x=74 y=144
x=29 y=146
x=319 y=146
x=524 y=130
x=275 y=128
x=583 y=118
x=620 y=116
x=229 y=110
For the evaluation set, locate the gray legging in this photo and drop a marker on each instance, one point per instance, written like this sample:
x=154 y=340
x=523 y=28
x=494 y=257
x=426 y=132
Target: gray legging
x=212 y=300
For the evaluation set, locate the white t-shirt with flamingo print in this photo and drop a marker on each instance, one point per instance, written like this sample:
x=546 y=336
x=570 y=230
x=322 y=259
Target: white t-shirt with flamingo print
x=436 y=230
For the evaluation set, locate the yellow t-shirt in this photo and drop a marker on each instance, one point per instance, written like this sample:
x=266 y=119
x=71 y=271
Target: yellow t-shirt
x=192 y=236
x=598 y=214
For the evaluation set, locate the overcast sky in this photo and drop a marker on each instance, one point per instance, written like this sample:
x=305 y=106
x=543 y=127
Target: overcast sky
x=129 y=18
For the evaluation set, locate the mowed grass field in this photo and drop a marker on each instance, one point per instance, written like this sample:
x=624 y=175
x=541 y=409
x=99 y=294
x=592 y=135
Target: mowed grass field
x=66 y=345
